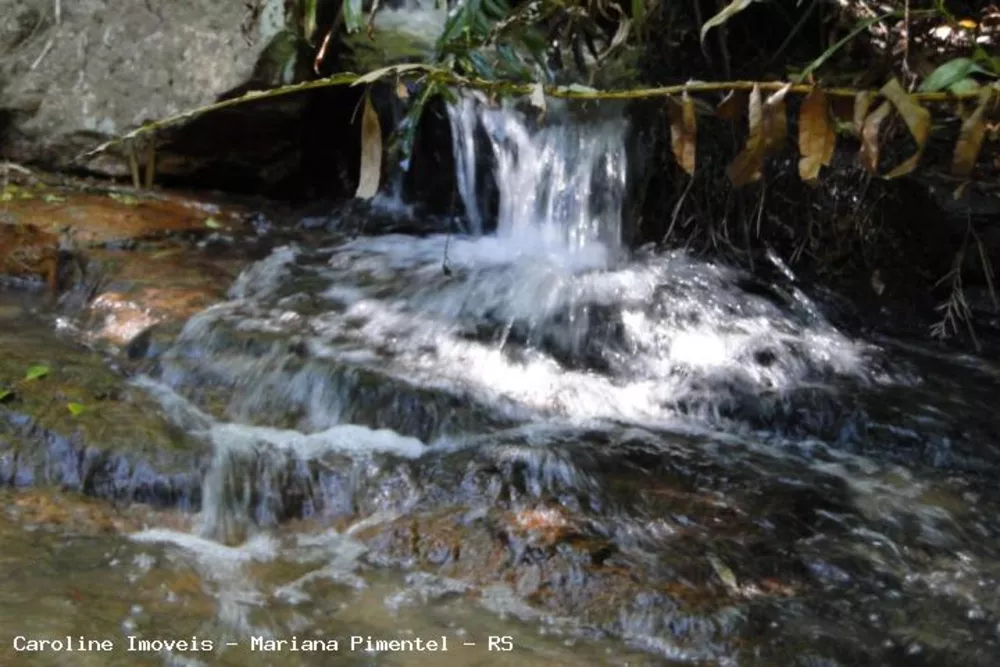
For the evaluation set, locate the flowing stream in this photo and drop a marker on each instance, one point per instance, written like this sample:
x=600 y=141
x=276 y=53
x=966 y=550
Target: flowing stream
x=609 y=457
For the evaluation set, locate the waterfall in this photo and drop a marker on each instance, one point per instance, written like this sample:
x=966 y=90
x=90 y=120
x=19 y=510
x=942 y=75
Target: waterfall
x=561 y=179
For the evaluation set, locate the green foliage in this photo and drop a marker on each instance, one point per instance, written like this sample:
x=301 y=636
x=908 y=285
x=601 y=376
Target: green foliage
x=36 y=372
x=729 y=11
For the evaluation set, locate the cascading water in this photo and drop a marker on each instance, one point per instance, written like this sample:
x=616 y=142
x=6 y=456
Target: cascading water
x=561 y=183
x=663 y=412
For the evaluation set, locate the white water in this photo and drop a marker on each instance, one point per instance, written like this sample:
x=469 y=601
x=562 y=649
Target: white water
x=561 y=180
x=388 y=378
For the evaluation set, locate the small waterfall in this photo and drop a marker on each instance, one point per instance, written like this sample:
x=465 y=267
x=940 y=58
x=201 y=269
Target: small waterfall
x=561 y=179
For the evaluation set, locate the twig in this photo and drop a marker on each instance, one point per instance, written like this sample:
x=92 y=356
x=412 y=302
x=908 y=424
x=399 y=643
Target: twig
x=41 y=56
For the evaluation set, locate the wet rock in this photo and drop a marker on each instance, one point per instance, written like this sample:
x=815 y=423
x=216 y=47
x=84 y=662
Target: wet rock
x=81 y=426
x=120 y=262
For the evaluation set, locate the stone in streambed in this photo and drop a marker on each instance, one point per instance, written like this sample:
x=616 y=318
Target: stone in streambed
x=83 y=427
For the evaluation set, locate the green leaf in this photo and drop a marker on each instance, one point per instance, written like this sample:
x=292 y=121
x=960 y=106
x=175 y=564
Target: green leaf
x=212 y=223
x=36 y=372
x=728 y=12
x=354 y=15
x=75 y=409
x=5 y=394
x=949 y=74
x=964 y=86
x=826 y=55
x=309 y=19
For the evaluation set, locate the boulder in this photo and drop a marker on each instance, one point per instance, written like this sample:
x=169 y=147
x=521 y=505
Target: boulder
x=74 y=74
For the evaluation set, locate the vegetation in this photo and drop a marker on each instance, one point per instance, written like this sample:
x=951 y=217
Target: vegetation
x=891 y=82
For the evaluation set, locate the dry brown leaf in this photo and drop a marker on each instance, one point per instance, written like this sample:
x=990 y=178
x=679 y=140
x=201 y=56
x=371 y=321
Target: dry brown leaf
x=684 y=132
x=747 y=165
x=776 y=120
x=869 y=137
x=371 y=152
x=917 y=119
x=862 y=103
x=970 y=137
x=817 y=135
x=731 y=105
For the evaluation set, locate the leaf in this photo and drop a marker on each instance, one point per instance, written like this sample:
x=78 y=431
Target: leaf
x=684 y=132
x=212 y=223
x=382 y=72
x=964 y=86
x=949 y=74
x=75 y=409
x=36 y=372
x=402 y=92
x=817 y=135
x=728 y=12
x=353 y=15
x=537 y=98
x=309 y=19
x=970 y=137
x=862 y=103
x=775 y=120
x=5 y=394
x=826 y=55
x=371 y=152
x=869 y=137
x=917 y=119
x=746 y=166
x=731 y=105
x=725 y=573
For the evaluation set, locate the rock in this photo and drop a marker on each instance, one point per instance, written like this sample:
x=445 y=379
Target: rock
x=121 y=262
x=83 y=427
x=69 y=82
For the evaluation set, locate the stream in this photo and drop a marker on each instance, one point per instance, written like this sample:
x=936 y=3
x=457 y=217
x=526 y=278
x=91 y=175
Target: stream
x=530 y=445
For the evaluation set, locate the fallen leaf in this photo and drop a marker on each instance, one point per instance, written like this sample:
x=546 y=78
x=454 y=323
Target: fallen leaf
x=917 y=119
x=36 y=372
x=75 y=409
x=869 y=137
x=970 y=137
x=817 y=136
x=747 y=165
x=371 y=152
x=684 y=132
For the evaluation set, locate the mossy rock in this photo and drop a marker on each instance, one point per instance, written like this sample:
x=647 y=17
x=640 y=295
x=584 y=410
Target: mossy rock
x=68 y=419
